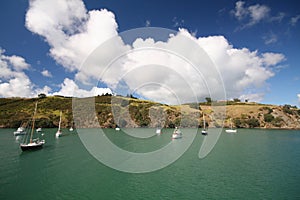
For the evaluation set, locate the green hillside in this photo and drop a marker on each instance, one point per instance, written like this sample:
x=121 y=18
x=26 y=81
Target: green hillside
x=131 y=112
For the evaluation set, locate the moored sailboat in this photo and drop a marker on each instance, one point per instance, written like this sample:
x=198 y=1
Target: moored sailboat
x=33 y=143
x=20 y=131
x=231 y=130
x=176 y=134
x=59 y=132
x=158 y=131
x=204 y=131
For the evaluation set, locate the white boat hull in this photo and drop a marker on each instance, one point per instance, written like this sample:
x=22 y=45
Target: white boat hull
x=20 y=131
x=32 y=145
x=58 y=134
x=230 y=131
x=176 y=136
x=204 y=132
x=158 y=131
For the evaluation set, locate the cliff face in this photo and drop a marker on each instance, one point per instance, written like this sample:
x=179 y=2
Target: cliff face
x=263 y=116
x=109 y=112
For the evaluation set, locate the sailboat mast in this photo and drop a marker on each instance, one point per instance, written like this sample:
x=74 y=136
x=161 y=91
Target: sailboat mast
x=203 y=122
x=59 y=121
x=33 y=122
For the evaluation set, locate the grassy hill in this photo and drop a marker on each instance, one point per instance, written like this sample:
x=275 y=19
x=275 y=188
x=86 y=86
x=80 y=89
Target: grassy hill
x=131 y=112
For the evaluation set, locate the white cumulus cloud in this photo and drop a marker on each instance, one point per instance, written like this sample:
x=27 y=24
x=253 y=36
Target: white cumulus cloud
x=164 y=71
x=70 y=88
x=13 y=81
x=241 y=69
x=71 y=31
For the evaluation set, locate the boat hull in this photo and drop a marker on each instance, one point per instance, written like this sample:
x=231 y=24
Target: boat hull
x=230 y=131
x=35 y=146
x=158 y=131
x=176 y=136
x=16 y=133
x=39 y=130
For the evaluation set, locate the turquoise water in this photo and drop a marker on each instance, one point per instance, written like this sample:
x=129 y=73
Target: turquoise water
x=253 y=164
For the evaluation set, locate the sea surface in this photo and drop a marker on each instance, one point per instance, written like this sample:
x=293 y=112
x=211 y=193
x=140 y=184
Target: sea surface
x=252 y=164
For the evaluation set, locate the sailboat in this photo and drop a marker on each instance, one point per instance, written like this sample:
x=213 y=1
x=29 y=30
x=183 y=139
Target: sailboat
x=20 y=131
x=33 y=143
x=59 y=133
x=158 y=131
x=176 y=134
x=231 y=130
x=204 y=131
x=71 y=128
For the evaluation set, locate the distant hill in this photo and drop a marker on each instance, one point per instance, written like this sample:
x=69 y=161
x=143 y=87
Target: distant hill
x=132 y=112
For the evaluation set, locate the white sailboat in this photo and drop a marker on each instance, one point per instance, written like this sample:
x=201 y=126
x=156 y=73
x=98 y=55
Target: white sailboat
x=176 y=134
x=71 y=129
x=39 y=129
x=204 y=131
x=59 y=132
x=33 y=143
x=231 y=130
x=158 y=131
x=20 y=131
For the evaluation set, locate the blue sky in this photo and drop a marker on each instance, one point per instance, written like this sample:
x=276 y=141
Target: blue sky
x=261 y=26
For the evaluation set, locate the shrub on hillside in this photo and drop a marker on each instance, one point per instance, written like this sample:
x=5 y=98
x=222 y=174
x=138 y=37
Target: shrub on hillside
x=268 y=117
x=287 y=109
x=253 y=122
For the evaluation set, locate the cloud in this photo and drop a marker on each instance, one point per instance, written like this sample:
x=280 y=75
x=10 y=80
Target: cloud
x=271 y=38
x=71 y=31
x=176 y=69
x=240 y=12
x=294 y=20
x=258 y=12
x=70 y=88
x=18 y=63
x=278 y=18
x=241 y=69
x=298 y=95
x=153 y=69
x=254 y=14
x=46 y=73
x=272 y=59
x=13 y=81
x=256 y=97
